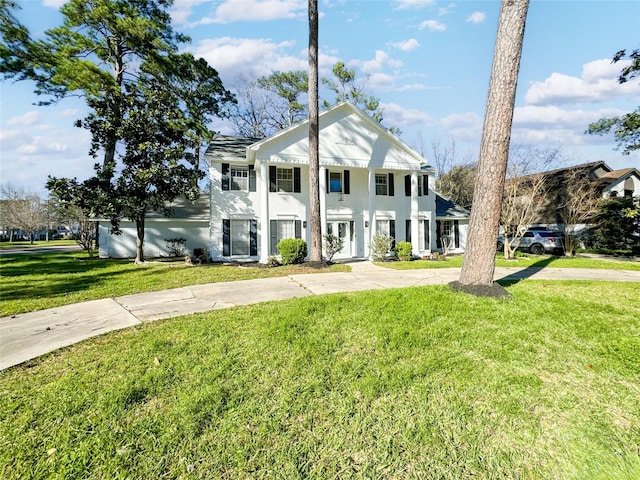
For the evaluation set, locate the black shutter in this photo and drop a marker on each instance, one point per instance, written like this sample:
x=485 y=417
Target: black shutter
x=456 y=233
x=226 y=237
x=296 y=179
x=427 y=232
x=407 y=230
x=253 y=237
x=347 y=182
x=225 y=176
x=425 y=185
x=326 y=180
x=438 y=235
x=273 y=249
x=407 y=185
x=391 y=190
x=273 y=182
x=298 y=227
x=392 y=230
x=252 y=178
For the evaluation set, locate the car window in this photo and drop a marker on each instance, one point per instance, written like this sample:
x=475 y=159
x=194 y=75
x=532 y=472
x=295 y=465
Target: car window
x=528 y=234
x=550 y=234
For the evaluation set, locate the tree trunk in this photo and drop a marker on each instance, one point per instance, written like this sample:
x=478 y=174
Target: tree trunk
x=314 y=133
x=479 y=260
x=140 y=239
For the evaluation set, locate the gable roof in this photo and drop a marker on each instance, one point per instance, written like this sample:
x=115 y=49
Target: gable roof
x=446 y=207
x=229 y=148
x=348 y=138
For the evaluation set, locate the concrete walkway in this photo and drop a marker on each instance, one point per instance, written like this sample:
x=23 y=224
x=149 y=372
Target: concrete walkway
x=28 y=335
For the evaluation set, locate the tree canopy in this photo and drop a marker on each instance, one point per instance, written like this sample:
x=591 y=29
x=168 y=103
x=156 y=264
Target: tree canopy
x=149 y=104
x=626 y=128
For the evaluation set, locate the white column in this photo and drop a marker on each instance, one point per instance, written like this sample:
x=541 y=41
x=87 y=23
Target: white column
x=262 y=169
x=323 y=199
x=415 y=227
x=372 y=204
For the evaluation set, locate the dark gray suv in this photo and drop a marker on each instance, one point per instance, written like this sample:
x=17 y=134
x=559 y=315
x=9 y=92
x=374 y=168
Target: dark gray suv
x=538 y=242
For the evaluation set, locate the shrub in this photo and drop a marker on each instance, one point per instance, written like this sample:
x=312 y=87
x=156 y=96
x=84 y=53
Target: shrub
x=292 y=250
x=332 y=245
x=404 y=251
x=379 y=246
x=175 y=246
x=273 y=262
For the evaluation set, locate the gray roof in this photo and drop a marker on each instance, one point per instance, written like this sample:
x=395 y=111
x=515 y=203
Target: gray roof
x=226 y=147
x=447 y=208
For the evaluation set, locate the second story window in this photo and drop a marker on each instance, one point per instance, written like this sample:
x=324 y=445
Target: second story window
x=284 y=179
x=239 y=178
x=381 y=185
x=335 y=182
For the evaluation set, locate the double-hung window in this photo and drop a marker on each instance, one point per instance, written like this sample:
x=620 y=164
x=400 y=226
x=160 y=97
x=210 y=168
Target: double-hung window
x=281 y=229
x=384 y=184
x=335 y=182
x=284 y=179
x=239 y=177
x=239 y=237
x=381 y=185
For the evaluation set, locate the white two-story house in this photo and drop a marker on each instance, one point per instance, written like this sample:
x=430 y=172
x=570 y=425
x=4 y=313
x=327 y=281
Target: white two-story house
x=370 y=183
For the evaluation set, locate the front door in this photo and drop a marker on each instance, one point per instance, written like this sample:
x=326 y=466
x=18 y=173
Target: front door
x=344 y=231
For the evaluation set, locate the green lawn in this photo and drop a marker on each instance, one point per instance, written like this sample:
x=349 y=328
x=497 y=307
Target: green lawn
x=416 y=383
x=524 y=261
x=37 y=281
x=36 y=244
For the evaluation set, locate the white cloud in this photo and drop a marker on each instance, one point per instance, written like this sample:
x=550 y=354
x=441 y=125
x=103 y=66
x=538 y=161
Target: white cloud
x=412 y=86
x=433 y=25
x=463 y=126
x=598 y=83
x=250 y=57
x=381 y=60
x=380 y=81
x=54 y=3
x=69 y=112
x=477 y=17
x=404 y=4
x=256 y=11
x=181 y=10
x=407 y=45
x=27 y=159
x=29 y=118
x=398 y=116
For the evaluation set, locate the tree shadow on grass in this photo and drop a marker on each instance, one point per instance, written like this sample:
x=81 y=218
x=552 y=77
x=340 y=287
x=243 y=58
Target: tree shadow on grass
x=527 y=272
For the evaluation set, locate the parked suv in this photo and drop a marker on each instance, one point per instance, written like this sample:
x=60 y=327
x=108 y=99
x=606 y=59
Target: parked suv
x=538 y=242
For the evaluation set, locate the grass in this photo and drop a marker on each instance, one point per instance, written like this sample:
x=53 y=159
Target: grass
x=38 y=281
x=417 y=383
x=36 y=244
x=521 y=262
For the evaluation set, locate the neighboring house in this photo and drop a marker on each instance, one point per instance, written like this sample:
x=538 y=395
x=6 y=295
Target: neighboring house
x=370 y=183
x=601 y=180
x=188 y=220
x=452 y=225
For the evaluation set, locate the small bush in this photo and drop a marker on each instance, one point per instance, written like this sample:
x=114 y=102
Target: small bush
x=332 y=245
x=380 y=246
x=292 y=250
x=404 y=251
x=273 y=262
x=176 y=246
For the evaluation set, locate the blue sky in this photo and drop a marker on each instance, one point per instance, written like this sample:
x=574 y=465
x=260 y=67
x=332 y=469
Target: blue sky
x=428 y=62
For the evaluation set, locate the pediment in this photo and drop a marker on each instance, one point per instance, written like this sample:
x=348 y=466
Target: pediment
x=348 y=138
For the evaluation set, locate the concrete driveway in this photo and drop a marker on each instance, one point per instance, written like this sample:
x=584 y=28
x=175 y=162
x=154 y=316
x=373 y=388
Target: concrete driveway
x=26 y=336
